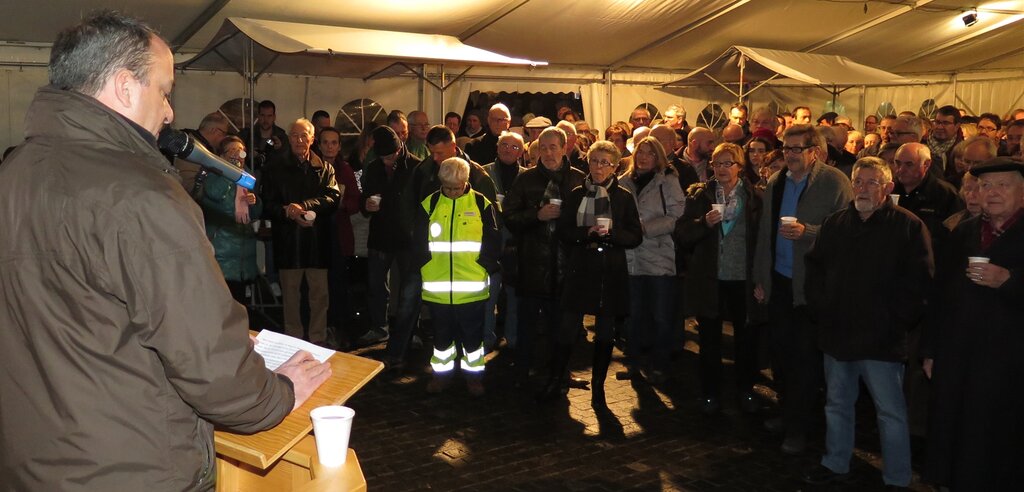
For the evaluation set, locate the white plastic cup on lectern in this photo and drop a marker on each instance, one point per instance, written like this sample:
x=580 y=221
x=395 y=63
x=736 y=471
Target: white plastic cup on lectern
x=332 y=426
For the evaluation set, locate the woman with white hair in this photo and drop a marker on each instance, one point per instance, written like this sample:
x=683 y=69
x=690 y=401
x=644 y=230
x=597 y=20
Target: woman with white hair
x=459 y=242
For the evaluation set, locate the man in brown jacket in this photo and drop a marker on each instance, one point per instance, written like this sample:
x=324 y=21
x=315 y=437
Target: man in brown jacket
x=120 y=345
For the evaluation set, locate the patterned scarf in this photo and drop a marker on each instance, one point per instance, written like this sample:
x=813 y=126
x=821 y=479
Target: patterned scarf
x=595 y=203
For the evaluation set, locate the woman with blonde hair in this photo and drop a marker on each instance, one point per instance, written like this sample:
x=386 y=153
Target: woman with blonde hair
x=652 y=265
x=720 y=228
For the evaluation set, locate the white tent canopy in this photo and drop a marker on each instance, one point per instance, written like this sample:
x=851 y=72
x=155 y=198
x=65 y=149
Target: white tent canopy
x=309 y=49
x=740 y=66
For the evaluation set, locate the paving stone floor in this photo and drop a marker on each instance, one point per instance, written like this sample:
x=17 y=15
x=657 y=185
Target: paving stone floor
x=657 y=439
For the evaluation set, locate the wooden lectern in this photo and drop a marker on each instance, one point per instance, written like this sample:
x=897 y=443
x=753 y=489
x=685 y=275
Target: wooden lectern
x=284 y=458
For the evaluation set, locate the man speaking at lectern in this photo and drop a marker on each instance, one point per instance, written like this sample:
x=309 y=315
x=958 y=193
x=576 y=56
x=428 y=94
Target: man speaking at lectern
x=120 y=345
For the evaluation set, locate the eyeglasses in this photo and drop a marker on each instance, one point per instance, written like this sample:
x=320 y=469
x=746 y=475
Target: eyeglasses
x=509 y=146
x=722 y=164
x=796 y=150
x=601 y=163
x=871 y=183
x=943 y=123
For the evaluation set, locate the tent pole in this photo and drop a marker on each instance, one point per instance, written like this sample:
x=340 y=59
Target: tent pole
x=834 y=95
x=608 y=94
x=954 y=87
x=440 y=110
x=420 y=87
x=743 y=65
x=721 y=84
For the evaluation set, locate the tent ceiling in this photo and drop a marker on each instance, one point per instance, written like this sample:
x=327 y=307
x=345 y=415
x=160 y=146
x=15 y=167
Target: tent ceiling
x=641 y=34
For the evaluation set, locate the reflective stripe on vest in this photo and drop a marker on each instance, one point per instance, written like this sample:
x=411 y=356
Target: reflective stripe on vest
x=454 y=247
x=442 y=286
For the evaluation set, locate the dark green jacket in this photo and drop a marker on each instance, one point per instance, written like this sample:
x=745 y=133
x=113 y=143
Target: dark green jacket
x=234 y=244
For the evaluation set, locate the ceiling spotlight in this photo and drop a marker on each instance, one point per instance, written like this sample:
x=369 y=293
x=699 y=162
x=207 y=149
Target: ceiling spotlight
x=970 y=18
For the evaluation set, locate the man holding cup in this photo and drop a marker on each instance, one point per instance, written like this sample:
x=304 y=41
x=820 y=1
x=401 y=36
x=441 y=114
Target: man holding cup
x=797 y=202
x=975 y=433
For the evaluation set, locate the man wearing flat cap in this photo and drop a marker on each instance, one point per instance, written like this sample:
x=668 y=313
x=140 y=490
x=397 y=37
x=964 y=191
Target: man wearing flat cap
x=387 y=195
x=534 y=127
x=977 y=342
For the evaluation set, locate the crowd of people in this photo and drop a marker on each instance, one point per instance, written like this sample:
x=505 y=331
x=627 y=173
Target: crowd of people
x=889 y=254
x=846 y=249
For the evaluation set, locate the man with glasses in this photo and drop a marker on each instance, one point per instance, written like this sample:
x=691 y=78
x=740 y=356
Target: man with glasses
x=989 y=125
x=865 y=304
x=975 y=432
x=931 y=199
x=485 y=149
x=212 y=130
x=797 y=202
x=419 y=125
x=639 y=117
x=870 y=123
x=945 y=134
x=294 y=185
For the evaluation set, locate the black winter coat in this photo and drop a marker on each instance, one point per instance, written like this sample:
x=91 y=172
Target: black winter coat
x=391 y=227
x=976 y=427
x=539 y=272
x=867 y=282
x=311 y=184
x=597 y=276
x=700 y=242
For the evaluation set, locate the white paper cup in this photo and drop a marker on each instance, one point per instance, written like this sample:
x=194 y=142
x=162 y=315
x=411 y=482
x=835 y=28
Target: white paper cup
x=556 y=201
x=332 y=426
x=375 y=199
x=787 y=220
x=500 y=197
x=310 y=216
x=895 y=198
x=977 y=259
x=604 y=223
x=719 y=207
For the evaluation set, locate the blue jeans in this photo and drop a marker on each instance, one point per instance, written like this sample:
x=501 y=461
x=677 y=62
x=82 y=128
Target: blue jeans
x=410 y=297
x=651 y=316
x=884 y=381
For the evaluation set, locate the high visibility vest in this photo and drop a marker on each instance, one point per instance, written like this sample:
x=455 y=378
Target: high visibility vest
x=455 y=230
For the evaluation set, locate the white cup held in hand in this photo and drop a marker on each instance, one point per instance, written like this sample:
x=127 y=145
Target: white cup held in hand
x=556 y=202
x=604 y=223
x=332 y=426
x=375 y=199
x=977 y=259
x=718 y=207
x=310 y=216
x=895 y=198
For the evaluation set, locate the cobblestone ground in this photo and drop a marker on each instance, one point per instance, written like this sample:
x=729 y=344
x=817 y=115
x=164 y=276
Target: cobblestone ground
x=657 y=439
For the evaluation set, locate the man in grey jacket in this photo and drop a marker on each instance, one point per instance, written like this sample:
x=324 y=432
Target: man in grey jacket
x=120 y=344
x=798 y=199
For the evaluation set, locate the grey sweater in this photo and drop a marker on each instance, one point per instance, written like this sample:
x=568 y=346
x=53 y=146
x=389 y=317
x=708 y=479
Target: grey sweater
x=828 y=190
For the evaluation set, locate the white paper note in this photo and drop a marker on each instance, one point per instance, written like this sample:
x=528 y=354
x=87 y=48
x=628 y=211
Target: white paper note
x=276 y=348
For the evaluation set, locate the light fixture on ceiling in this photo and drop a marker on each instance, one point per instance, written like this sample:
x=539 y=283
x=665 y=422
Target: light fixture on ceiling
x=970 y=18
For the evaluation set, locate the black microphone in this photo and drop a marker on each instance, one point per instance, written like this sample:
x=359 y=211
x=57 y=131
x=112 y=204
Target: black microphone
x=182 y=145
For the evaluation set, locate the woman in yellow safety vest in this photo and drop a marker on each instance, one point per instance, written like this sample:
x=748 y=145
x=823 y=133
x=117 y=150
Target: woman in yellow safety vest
x=460 y=243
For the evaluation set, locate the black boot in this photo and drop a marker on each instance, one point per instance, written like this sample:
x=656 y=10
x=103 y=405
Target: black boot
x=602 y=358
x=557 y=369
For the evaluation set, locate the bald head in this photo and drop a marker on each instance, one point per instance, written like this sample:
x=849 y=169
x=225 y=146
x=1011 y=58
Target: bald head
x=700 y=142
x=733 y=133
x=666 y=136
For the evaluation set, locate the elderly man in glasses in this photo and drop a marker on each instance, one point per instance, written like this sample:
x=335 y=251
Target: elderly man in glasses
x=797 y=202
x=866 y=303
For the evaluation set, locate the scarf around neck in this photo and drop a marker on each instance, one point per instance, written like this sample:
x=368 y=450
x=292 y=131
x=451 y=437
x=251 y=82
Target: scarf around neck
x=595 y=202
